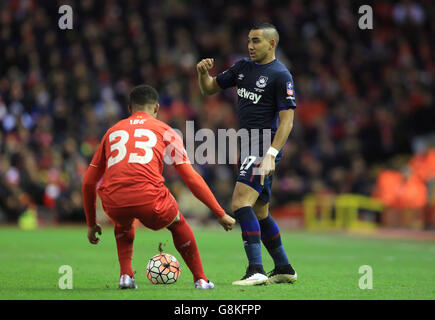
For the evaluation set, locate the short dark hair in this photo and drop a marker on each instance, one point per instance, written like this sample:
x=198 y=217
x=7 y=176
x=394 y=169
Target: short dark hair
x=263 y=25
x=266 y=25
x=142 y=95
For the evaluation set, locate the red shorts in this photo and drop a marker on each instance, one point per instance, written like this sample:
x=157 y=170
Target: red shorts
x=160 y=214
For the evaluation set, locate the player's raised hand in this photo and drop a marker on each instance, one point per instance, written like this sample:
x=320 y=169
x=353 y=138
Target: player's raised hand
x=227 y=222
x=205 y=65
x=92 y=231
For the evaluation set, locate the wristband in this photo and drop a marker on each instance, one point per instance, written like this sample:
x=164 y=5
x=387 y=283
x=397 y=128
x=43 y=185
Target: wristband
x=272 y=151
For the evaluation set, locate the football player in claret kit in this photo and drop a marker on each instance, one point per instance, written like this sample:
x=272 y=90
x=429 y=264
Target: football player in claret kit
x=266 y=101
x=130 y=161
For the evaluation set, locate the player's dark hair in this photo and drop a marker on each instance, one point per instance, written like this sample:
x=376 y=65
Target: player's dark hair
x=267 y=25
x=263 y=25
x=143 y=95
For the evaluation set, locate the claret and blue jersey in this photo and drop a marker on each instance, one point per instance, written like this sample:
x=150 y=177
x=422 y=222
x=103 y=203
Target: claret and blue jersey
x=263 y=91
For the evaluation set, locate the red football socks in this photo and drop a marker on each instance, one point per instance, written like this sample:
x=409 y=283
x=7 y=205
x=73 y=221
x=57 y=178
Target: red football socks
x=124 y=242
x=185 y=243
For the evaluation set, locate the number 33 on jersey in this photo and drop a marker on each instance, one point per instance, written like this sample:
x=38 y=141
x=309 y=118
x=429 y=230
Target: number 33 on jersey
x=120 y=146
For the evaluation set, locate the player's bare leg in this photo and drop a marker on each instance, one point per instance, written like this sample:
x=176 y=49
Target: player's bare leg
x=261 y=209
x=271 y=238
x=244 y=197
x=185 y=243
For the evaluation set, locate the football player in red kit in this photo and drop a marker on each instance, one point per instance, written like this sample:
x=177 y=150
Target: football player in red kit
x=130 y=161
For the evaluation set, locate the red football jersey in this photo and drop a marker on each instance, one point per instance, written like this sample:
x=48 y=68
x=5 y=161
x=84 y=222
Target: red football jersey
x=133 y=153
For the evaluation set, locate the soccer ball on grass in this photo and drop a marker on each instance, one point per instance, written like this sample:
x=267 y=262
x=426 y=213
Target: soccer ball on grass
x=163 y=268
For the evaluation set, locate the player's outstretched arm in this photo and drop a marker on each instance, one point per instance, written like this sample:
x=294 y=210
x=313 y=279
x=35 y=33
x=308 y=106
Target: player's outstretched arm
x=200 y=190
x=207 y=83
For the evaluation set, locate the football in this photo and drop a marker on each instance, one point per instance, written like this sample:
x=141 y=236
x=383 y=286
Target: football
x=163 y=268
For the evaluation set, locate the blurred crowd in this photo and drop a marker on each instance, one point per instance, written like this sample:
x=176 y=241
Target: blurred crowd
x=362 y=95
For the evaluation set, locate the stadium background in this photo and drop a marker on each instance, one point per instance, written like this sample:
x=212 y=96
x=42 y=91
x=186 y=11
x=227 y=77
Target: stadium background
x=364 y=126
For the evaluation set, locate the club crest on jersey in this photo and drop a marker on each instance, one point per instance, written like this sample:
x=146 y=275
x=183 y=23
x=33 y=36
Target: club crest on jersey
x=289 y=89
x=241 y=76
x=261 y=82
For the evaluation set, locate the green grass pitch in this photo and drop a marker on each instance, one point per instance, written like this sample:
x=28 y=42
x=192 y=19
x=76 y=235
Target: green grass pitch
x=327 y=265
